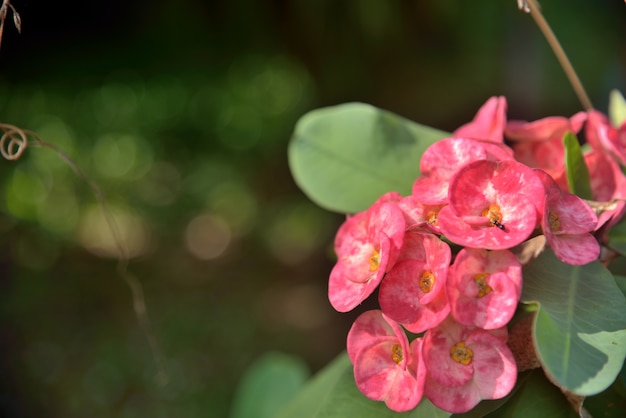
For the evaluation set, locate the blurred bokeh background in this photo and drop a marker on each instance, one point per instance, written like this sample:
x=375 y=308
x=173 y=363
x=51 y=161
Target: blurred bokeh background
x=181 y=112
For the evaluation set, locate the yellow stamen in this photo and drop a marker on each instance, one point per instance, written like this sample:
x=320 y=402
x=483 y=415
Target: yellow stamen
x=427 y=281
x=481 y=283
x=374 y=260
x=555 y=223
x=431 y=218
x=396 y=353
x=494 y=216
x=461 y=354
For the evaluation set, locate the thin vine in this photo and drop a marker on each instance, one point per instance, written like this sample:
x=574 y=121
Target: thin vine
x=13 y=143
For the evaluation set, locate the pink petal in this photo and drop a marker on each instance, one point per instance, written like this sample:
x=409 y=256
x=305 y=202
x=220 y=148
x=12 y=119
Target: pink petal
x=489 y=122
x=552 y=127
x=504 y=276
x=436 y=350
x=379 y=378
x=368 y=329
x=455 y=399
x=577 y=250
x=429 y=315
x=351 y=280
x=512 y=187
x=495 y=371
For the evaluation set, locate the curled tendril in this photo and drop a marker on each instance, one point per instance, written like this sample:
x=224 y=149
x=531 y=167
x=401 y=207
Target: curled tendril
x=13 y=142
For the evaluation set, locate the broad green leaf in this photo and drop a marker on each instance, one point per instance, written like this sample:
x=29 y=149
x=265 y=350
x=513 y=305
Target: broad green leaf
x=617 y=237
x=536 y=397
x=577 y=172
x=332 y=393
x=609 y=404
x=345 y=157
x=580 y=326
x=617 y=108
x=268 y=385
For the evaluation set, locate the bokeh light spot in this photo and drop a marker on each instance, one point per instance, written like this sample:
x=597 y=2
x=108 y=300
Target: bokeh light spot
x=207 y=236
x=95 y=234
x=235 y=203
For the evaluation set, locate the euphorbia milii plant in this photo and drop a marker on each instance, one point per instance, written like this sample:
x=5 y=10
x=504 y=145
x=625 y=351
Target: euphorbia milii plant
x=508 y=229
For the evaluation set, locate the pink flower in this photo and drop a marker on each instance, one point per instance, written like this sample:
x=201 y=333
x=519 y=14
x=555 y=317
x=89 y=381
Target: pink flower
x=567 y=223
x=603 y=136
x=413 y=292
x=386 y=367
x=539 y=144
x=466 y=365
x=441 y=161
x=491 y=205
x=419 y=215
x=608 y=183
x=489 y=122
x=367 y=245
x=484 y=287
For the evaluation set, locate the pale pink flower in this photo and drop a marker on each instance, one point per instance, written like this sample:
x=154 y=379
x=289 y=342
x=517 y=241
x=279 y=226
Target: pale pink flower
x=386 y=367
x=367 y=245
x=484 y=287
x=492 y=205
x=567 y=223
x=466 y=365
x=441 y=161
x=413 y=292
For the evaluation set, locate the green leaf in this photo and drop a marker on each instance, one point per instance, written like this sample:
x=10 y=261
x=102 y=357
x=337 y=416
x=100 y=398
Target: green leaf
x=332 y=393
x=617 y=237
x=536 y=397
x=609 y=404
x=580 y=326
x=345 y=157
x=577 y=172
x=268 y=385
x=617 y=108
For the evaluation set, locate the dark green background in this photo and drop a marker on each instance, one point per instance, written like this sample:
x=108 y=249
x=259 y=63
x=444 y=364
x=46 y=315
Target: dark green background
x=182 y=111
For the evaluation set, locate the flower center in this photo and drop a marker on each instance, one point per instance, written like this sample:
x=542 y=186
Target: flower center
x=461 y=354
x=374 y=260
x=427 y=281
x=494 y=216
x=481 y=284
x=431 y=218
x=396 y=353
x=553 y=220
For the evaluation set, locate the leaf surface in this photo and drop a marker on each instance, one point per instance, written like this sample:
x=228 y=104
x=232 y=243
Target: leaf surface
x=580 y=326
x=344 y=157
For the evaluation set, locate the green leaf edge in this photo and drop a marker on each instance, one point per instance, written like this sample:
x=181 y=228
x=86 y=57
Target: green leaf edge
x=577 y=172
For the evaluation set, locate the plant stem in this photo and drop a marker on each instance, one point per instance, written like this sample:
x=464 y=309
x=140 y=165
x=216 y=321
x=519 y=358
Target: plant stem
x=560 y=54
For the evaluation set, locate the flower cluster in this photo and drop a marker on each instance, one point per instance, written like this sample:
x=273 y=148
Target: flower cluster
x=484 y=198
